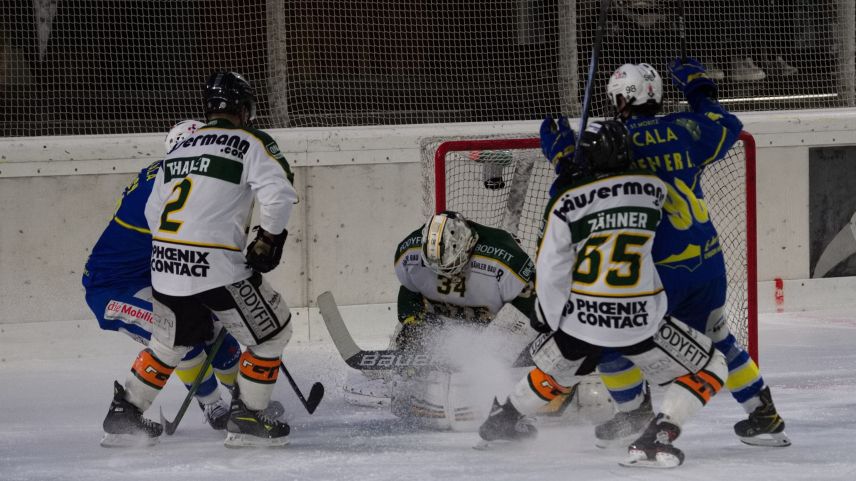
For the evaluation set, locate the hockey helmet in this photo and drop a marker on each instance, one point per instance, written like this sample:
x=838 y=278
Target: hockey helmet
x=447 y=242
x=638 y=84
x=605 y=147
x=179 y=132
x=230 y=93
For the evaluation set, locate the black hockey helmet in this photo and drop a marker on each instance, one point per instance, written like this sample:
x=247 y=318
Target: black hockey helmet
x=229 y=93
x=605 y=147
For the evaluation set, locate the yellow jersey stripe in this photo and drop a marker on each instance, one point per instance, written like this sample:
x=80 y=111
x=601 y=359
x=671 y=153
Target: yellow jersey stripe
x=197 y=244
x=602 y=294
x=718 y=147
x=131 y=227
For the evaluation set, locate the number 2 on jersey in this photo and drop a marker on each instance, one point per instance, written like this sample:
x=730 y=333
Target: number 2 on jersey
x=172 y=225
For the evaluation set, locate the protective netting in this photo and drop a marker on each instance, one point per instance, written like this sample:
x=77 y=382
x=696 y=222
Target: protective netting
x=507 y=187
x=126 y=66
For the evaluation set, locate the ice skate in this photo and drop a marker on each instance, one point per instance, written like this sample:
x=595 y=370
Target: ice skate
x=654 y=448
x=624 y=426
x=254 y=428
x=216 y=414
x=125 y=425
x=505 y=423
x=764 y=427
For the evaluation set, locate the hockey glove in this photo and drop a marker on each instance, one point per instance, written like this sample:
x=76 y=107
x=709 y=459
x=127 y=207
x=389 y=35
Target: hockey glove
x=690 y=77
x=558 y=142
x=265 y=251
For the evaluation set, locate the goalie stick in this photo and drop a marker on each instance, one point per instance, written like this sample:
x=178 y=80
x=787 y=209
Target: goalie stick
x=356 y=357
x=373 y=360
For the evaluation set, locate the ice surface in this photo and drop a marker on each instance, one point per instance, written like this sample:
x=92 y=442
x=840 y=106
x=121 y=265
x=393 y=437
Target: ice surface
x=54 y=396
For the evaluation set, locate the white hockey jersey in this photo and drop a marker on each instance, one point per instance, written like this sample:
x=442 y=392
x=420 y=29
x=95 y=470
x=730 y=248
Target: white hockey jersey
x=596 y=276
x=202 y=201
x=498 y=273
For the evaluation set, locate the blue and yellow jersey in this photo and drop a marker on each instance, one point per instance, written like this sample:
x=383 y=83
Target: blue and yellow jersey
x=677 y=148
x=124 y=249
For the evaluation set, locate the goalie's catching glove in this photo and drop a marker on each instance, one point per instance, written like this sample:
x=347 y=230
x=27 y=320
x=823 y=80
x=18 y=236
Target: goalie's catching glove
x=265 y=251
x=690 y=77
x=558 y=142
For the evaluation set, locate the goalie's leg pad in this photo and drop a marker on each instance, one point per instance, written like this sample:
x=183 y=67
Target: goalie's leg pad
x=362 y=391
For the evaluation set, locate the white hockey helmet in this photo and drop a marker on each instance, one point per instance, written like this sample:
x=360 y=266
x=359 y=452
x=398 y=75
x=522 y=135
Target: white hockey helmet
x=652 y=84
x=447 y=242
x=638 y=84
x=180 y=131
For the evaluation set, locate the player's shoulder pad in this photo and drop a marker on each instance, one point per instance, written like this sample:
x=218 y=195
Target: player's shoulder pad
x=501 y=246
x=412 y=241
x=272 y=150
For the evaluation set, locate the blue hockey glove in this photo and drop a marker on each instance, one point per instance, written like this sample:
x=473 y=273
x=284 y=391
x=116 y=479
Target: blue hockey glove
x=558 y=142
x=690 y=77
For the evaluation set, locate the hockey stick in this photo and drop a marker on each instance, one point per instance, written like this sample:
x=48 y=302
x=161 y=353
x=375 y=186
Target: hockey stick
x=595 y=56
x=352 y=354
x=682 y=30
x=375 y=359
x=169 y=427
x=316 y=392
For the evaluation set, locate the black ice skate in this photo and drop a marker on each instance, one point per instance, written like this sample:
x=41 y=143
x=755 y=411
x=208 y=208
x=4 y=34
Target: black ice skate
x=764 y=427
x=654 y=448
x=125 y=425
x=624 y=426
x=254 y=428
x=216 y=414
x=505 y=423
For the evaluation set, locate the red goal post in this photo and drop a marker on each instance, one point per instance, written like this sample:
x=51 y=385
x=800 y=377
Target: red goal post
x=504 y=181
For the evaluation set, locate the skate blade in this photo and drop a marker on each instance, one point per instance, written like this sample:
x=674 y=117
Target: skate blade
x=127 y=440
x=640 y=460
x=776 y=440
x=239 y=440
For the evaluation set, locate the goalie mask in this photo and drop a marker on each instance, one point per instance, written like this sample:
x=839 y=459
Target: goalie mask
x=447 y=242
x=179 y=132
x=229 y=93
x=638 y=84
x=605 y=147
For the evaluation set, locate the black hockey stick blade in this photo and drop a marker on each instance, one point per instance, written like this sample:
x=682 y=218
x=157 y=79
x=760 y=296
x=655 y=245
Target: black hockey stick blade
x=169 y=427
x=356 y=357
x=316 y=392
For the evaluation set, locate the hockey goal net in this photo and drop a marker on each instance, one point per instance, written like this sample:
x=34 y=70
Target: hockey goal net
x=504 y=182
